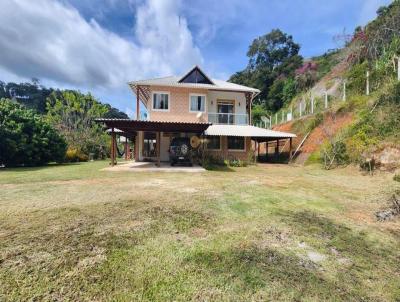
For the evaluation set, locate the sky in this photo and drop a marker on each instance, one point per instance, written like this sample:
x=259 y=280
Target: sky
x=98 y=46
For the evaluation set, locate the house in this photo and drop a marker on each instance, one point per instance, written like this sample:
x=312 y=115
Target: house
x=193 y=105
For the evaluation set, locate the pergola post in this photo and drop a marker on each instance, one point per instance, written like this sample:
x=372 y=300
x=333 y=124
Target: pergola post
x=277 y=149
x=158 y=142
x=137 y=104
x=266 y=151
x=290 y=148
x=113 y=147
x=258 y=150
x=126 y=149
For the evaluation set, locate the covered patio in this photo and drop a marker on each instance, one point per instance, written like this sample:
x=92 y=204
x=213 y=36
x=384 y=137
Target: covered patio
x=257 y=135
x=131 y=128
x=153 y=167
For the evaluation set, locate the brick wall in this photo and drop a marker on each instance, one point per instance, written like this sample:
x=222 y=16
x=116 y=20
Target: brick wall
x=226 y=154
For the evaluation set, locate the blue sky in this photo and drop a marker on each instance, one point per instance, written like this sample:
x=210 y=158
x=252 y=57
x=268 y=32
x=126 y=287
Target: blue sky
x=99 y=45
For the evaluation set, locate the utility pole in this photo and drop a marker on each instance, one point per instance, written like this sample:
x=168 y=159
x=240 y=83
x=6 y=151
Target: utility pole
x=367 y=89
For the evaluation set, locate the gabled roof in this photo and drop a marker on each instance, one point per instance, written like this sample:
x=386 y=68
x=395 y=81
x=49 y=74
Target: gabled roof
x=175 y=81
x=196 y=76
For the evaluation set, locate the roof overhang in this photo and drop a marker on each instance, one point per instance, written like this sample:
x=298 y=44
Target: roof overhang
x=256 y=133
x=131 y=126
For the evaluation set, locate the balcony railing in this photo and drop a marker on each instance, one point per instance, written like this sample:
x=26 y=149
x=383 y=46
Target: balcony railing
x=228 y=118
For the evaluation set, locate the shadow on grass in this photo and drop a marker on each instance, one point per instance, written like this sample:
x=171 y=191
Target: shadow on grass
x=219 y=168
x=38 y=168
x=330 y=234
x=254 y=269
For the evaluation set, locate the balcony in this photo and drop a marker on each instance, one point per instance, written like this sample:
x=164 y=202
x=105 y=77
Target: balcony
x=228 y=118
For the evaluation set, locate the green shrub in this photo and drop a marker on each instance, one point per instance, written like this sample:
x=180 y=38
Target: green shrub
x=75 y=155
x=26 y=139
x=396 y=177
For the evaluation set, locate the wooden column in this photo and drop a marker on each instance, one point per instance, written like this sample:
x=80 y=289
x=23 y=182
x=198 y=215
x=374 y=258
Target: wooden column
x=277 y=149
x=136 y=147
x=290 y=147
x=258 y=149
x=113 y=147
x=266 y=151
x=137 y=104
x=126 y=149
x=158 y=141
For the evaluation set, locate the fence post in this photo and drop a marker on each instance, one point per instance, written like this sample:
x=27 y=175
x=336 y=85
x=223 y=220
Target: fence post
x=344 y=91
x=300 y=105
x=398 y=68
x=312 y=104
x=367 y=89
x=276 y=118
x=283 y=116
x=326 y=99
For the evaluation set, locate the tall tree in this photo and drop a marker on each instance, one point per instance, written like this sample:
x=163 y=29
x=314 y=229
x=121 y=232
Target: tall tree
x=272 y=58
x=73 y=114
x=26 y=138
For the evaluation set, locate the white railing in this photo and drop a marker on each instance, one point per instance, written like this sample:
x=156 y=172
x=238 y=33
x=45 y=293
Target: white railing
x=228 y=118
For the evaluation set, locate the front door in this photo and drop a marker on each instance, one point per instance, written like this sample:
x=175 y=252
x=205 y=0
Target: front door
x=225 y=112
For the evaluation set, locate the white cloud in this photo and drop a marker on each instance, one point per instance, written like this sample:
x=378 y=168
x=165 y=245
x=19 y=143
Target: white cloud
x=52 y=41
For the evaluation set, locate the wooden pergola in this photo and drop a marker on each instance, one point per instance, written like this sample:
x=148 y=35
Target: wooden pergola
x=275 y=140
x=129 y=128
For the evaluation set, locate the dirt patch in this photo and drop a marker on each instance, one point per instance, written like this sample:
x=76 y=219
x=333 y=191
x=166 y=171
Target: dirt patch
x=331 y=125
x=392 y=211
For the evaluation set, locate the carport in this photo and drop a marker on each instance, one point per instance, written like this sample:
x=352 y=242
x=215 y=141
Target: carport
x=132 y=128
x=258 y=135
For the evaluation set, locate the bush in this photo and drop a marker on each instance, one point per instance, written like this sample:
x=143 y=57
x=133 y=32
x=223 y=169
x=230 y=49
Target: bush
x=26 y=139
x=396 y=177
x=75 y=155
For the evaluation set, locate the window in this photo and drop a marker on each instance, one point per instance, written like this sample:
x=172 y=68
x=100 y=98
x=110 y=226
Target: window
x=160 y=101
x=236 y=143
x=213 y=143
x=197 y=102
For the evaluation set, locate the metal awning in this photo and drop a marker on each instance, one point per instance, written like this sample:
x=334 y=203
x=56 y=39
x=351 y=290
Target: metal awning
x=247 y=131
x=131 y=126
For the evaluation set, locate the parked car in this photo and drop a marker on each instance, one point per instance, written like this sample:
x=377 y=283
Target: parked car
x=180 y=151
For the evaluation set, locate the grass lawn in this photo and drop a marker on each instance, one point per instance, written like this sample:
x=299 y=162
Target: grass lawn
x=267 y=232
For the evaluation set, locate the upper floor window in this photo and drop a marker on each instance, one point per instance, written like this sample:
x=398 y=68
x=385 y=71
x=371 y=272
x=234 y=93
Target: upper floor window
x=160 y=101
x=197 y=102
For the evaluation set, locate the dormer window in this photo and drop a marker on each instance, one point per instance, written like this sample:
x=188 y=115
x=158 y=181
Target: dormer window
x=161 y=101
x=196 y=76
x=197 y=103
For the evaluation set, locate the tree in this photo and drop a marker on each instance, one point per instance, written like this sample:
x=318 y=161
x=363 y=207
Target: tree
x=26 y=138
x=273 y=58
x=73 y=114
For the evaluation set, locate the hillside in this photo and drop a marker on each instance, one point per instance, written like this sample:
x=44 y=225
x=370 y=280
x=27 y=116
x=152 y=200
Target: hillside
x=351 y=113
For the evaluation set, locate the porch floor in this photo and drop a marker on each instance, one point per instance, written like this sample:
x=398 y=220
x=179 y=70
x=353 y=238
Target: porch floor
x=151 y=167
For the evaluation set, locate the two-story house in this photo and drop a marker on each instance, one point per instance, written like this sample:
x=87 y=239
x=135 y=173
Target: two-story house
x=193 y=105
